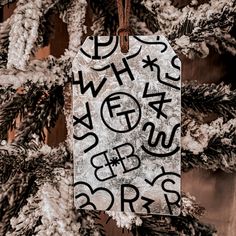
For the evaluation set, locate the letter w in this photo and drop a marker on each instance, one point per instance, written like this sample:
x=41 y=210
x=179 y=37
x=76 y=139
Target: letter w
x=84 y=88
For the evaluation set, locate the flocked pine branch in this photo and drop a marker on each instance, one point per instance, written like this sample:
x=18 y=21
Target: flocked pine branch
x=13 y=195
x=39 y=32
x=6 y=93
x=144 y=15
x=68 y=115
x=209 y=146
x=43 y=115
x=191 y=28
x=17 y=103
x=41 y=212
x=27 y=219
x=4 y=33
x=20 y=170
x=4 y=41
x=74 y=16
x=38 y=108
x=46 y=29
x=39 y=162
x=23 y=35
x=6 y=2
x=90 y=223
x=48 y=73
x=98 y=25
x=48 y=217
x=108 y=11
x=207 y=98
x=126 y=220
x=9 y=112
x=3 y=58
x=138 y=27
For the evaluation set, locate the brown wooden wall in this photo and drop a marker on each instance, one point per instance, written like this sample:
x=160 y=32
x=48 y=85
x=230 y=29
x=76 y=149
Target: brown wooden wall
x=216 y=191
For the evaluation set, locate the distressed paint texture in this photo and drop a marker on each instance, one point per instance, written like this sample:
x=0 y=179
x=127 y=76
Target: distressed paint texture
x=126 y=110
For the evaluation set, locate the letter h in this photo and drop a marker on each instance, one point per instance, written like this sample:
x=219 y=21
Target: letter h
x=122 y=71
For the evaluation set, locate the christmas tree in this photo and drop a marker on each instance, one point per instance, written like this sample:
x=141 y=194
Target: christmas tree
x=36 y=196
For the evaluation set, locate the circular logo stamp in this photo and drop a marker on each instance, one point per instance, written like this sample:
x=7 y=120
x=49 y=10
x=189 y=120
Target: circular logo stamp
x=120 y=112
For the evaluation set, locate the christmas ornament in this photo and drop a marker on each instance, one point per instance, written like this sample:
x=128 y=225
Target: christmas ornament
x=127 y=125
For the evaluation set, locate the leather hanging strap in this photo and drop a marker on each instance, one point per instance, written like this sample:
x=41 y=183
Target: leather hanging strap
x=123 y=30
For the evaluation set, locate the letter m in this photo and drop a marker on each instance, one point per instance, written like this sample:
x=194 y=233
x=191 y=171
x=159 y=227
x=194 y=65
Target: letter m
x=90 y=84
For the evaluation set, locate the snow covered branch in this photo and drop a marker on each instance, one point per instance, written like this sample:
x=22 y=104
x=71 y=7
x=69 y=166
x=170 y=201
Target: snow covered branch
x=209 y=146
x=48 y=73
x=209 y=98
x=47 y=209
x=191 y=29
x=23 y=35
x=74 y=16
x=38 y=107
x=4 y=42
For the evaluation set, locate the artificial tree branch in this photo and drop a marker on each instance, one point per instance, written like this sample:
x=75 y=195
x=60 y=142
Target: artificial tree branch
x=209 y=98
x=23 y=35
x=209 y=146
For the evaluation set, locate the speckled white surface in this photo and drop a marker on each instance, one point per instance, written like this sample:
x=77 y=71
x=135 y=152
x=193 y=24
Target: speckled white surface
x=144 y=117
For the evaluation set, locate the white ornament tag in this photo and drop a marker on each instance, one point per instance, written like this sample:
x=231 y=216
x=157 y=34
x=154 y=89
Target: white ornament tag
x=127 y=110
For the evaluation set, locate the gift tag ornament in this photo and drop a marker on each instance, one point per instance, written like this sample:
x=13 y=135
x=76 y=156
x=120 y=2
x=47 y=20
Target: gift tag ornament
x=126 y=111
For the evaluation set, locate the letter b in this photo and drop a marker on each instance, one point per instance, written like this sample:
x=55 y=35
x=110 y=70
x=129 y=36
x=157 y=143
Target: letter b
x=123 y=157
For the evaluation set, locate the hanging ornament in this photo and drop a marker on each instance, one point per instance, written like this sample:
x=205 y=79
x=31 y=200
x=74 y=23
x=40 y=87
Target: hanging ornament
x=126 y=110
